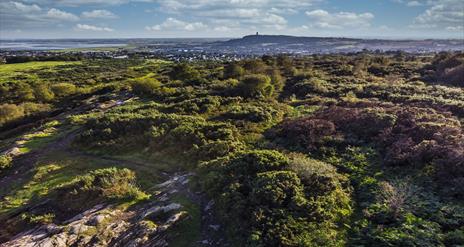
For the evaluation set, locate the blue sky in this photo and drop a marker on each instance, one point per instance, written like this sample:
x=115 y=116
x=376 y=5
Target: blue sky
x=230 y=18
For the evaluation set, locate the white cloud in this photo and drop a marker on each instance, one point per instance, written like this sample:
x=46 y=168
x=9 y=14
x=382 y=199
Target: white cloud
x=268 y=21
x=384 y=28
x=20 y=7
x=455 y=28
x=172 y=24
x=283 y=11
x=243 y=14
x=222 y=29
x=61 y=15
x=440 y=15
x=85 y=27
x=17 y=15
x=414 y=3
x=323 y=19
x=179 y=5
x=76 y=3
x=234 y=14
x=230 y=13
x=99 y=14
x=16 y=8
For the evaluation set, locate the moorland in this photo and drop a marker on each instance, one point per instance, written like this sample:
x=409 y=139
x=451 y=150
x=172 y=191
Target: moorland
x=362 y=149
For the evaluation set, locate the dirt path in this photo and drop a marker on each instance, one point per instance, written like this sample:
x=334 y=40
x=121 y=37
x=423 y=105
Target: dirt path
x=211 y=232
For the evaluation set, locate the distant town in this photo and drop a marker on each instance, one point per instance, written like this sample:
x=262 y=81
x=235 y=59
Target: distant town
x=217 y=49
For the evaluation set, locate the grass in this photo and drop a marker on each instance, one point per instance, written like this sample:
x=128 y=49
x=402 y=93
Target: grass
x=52 y=171
x=187 y=232
x=49 y=132
x=9 y=71
x=60 y=167
x=39 y=140
x=47 y=177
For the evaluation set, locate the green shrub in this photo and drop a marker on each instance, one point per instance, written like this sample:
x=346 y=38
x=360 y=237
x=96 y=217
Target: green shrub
x=197 y=105
x=191 y=137
x=255 y=66
x=276 y=198
x=454 y=237
x=63 y=89
x=145 y=86
x=12 y=112
x=256 y=86
x=5 y=161
x=98 y=186
x=313 y=85
x=325 y=188
x=9 y=112
x=184 y=72
x=38 y=219
x=264 y=204
x=252 y=112
x=24 y=92
x=412 y=231
x=43 y=93
x=233 y=71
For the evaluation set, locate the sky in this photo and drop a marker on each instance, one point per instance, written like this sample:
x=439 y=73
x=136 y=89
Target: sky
x=404 y=19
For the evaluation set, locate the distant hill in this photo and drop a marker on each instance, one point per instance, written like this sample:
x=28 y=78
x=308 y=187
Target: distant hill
x=303 y=45
x=283 y=39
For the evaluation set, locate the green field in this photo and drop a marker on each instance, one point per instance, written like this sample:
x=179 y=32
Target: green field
x=9 y=71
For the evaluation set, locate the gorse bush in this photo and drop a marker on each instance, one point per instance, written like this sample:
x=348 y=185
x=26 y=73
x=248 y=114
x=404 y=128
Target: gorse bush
x=145 y=86
x=43 y=93
x=63 y=89
x=271 y=200
x=99 y=186
x=256 y=86
x=233 y=71
x=5 y=161
x=184 y=72
x=255 y=113
x=192 y=137
x=197 y=105
x=13 y=112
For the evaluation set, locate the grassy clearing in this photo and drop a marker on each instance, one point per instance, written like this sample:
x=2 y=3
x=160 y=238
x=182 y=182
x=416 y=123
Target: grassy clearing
x=37 y=140
x=47 y=176
x=60 y=167
x=149 y=172
x=53 y=171
x=8 y=71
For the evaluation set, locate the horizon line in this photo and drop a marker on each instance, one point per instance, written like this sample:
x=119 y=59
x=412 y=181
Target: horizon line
x=240 y=37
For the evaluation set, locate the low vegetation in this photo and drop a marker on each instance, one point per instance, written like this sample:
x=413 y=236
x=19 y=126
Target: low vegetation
x=363 y=149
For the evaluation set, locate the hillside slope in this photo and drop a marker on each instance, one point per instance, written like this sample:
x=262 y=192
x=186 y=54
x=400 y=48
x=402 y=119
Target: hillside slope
x=329 y=150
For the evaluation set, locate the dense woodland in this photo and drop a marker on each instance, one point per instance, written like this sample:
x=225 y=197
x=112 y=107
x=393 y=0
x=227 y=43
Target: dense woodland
x=364 y=149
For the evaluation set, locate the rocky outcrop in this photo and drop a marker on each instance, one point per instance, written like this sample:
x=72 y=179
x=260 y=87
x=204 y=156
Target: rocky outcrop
x=106 y=225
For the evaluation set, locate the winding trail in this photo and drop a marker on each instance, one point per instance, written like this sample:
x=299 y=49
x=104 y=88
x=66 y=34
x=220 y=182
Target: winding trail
x=211 y=232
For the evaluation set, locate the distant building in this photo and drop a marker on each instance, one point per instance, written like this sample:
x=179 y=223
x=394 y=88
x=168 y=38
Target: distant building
x=257 y=33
